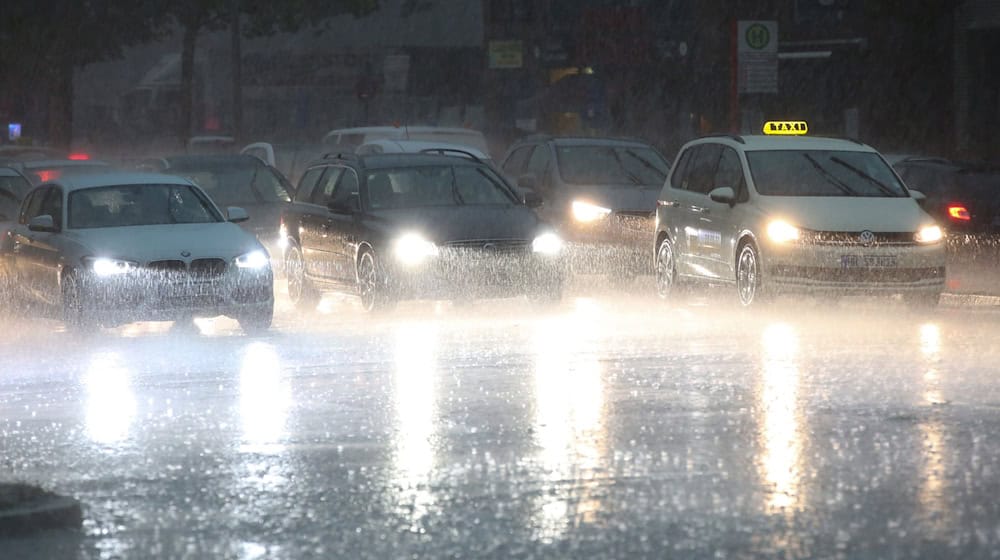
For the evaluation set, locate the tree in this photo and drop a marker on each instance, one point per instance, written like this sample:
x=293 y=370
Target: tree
x=42 y=42
x=263 y=17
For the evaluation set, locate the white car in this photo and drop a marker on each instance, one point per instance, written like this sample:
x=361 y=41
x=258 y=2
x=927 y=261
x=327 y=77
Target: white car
x=347 y=139
x=770 y=214
x=122 y=247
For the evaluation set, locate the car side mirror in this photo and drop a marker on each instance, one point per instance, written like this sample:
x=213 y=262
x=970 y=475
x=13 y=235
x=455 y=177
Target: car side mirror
x=527 y=182
x=236 y=214
x=349 y=205
x=42 y=223
x=918 y=196
x=531 y=199
x=724 y=195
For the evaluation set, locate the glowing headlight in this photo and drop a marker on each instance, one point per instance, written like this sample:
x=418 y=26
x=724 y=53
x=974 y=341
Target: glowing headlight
x=929 y=234
x=110 y=267
x=253 y=260
x=412 y=249
x=782 y=232
x=547 y=244
x=587 y=212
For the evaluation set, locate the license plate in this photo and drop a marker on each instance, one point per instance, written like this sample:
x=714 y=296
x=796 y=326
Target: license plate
x=868 y=261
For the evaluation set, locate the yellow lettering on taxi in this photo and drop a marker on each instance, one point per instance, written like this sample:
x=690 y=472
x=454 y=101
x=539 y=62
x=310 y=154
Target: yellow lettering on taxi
x=785 y=128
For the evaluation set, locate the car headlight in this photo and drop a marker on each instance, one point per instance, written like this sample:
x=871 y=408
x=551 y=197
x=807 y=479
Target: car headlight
x=547 y=244
x=928 y=234
x=781 y=231
x=110 y=267
x=587 y=212
x=254 y=260
x=412 y=249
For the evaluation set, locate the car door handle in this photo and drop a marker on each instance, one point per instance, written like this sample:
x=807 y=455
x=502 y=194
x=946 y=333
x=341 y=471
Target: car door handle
x=668 y=203
x=698 y=209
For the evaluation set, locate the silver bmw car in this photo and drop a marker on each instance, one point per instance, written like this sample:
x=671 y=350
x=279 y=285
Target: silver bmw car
x=116 y=248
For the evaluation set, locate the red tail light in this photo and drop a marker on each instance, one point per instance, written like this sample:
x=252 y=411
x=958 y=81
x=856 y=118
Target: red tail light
x=958 y=213
x=79 y=157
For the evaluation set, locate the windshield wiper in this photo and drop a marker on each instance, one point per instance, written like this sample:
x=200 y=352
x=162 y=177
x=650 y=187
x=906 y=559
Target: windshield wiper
x=829 y=176
x=621 y=165
x=646 y=164
x=879 y=184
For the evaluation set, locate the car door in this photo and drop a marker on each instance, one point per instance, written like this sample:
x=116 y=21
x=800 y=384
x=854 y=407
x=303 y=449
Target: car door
x=314 y=231
x=38 y=259
x=669 y=211
x=722 y=218
x=20 y=258
x=344 y=228
x=697 y=241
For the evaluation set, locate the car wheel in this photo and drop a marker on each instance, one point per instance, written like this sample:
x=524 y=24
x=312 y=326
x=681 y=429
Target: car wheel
x=74 y=310
x=748 y=276
x=373 y=284
x=258 y=320
x=666 y=270
x=922 y=300
x=301 y=293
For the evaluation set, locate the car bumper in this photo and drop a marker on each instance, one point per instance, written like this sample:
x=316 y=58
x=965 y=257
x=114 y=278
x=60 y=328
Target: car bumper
x=618 y=244
x=160 y=297
x=886 y=269
x=478 y=277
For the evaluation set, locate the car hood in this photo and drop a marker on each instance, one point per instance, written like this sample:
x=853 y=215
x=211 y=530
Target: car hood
x=618 y=198
x=832 y=213
x=149 y=243
x=461 y=223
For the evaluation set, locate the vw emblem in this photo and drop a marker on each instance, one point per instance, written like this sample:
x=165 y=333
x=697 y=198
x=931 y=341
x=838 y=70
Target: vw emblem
x=867 y=238
x=185 y=254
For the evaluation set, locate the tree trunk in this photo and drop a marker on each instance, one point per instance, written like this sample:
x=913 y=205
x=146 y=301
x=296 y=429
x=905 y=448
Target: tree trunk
x=61 y=107
x=187 y=81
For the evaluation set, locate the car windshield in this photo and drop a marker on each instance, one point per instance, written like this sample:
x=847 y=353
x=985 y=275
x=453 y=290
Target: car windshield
x=612 y=165
x=240 y=183
x=822 y=173
x=139 y=205
x=436 y=186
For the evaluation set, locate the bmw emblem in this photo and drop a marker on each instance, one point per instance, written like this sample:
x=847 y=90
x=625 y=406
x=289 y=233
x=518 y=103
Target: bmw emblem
x=867 y=238
x=185 y=254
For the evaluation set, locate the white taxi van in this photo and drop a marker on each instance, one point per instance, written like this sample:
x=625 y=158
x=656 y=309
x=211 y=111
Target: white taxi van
x=783 y=212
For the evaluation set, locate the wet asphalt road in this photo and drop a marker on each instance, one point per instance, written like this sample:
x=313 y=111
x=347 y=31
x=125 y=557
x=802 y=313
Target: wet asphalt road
x=606 y=427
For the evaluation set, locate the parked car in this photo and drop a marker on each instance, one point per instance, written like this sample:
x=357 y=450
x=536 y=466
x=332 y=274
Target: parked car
x=348 y=139
x=414 y=226
x=115 y=248
x=779 y=214
x=391 y=146
x=13 y=188
x=962 y=197
x=599 y=192
x=290 y=159
x=239 y=180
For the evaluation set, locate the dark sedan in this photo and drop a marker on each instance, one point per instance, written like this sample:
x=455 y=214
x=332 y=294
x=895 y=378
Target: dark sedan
x=963 y=197
x=415 y=226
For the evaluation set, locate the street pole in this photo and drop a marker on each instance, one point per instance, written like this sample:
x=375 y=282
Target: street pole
x=237 y=72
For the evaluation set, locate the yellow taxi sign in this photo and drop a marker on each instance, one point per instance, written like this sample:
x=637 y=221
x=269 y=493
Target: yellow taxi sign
x=786 y=128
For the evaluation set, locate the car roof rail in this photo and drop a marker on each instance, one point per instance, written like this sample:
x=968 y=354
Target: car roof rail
x=454 y=152
x=734 y=137
x=341 y=155
x=926 y=159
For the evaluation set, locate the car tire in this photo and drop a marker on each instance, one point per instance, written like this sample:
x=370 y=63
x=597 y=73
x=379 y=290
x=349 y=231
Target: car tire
x=749 y=287
x=258 y=320
x=666 y=270
x=922 y=300
x=75 y=314
x=373 y=283
x=300 y=291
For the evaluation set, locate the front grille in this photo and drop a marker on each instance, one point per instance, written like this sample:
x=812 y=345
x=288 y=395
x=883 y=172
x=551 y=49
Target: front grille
x=853 y=238
x=636 y=220
x=167 y=266
x=858 y=275
x=207 y=268
x=490 y=246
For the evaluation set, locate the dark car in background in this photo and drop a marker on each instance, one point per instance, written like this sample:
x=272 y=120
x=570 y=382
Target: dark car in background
x=962 y=197
x=415 y=226
x=13 y=187
x=599 y=192
x=237 y=180
x=40 y=171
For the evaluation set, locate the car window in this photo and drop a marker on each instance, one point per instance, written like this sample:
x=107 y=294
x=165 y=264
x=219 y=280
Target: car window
x=924 y=178
x=612 y=165
x=307 y=183
x=52 y=205
x=323 y=192
x=701 y=170
x=538 y=163
x=477 y=185
x=678 y=178
x=33 y=205
x=822 y=173
x=270 y=186
x=347 y=187
x=514 y=165
x=139 y=205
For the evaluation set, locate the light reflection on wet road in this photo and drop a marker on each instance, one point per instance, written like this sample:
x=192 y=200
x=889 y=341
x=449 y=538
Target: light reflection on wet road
x=607 y=427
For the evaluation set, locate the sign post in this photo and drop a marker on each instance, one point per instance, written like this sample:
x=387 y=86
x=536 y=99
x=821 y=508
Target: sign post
x=754 y=63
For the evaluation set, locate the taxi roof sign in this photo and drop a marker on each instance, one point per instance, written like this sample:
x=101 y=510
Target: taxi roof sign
x=786 y=128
